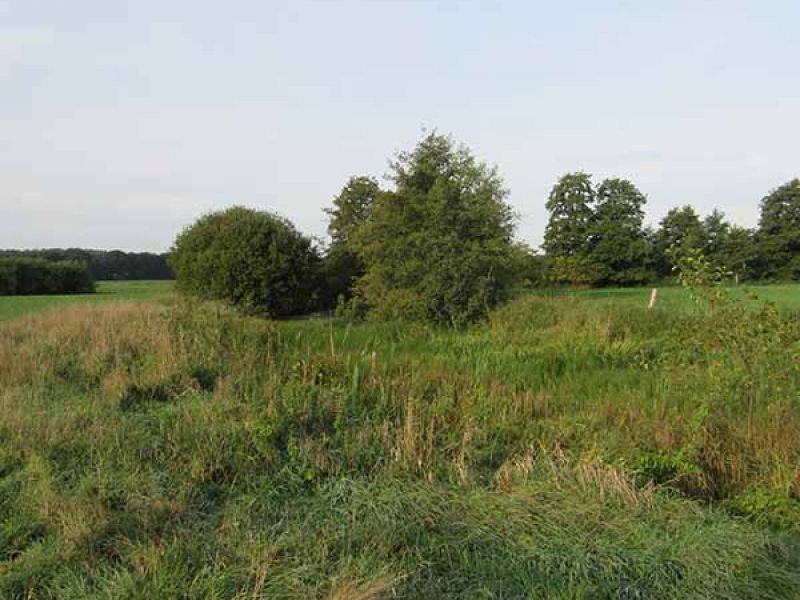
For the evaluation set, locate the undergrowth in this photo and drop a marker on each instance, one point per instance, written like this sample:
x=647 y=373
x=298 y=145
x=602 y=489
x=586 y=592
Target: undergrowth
x=564 y=450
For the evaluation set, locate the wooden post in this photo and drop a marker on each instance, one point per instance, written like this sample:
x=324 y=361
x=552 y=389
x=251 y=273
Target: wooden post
x=653 y=298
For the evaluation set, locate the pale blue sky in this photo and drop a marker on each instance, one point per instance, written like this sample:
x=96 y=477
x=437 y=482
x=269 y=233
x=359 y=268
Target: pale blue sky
x=122 y=121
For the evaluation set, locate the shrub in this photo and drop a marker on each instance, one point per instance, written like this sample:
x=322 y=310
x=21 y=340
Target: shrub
x=254 y=260
x=438 y=248
x=27 y=276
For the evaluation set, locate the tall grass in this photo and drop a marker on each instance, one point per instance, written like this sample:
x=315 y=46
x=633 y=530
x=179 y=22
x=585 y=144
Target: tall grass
x=566 y=449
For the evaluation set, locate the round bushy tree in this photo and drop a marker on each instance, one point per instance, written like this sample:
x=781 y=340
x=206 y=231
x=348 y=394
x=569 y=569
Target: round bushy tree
x=439 y=246
x=255 y=260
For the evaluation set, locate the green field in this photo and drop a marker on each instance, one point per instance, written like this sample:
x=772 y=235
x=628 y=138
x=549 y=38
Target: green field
x=786 y=296
x=573 y=447
x=12 y=307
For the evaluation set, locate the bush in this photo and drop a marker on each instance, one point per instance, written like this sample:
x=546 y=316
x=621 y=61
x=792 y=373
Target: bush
x=439 y=247
x=27 y=276
x=254 y=260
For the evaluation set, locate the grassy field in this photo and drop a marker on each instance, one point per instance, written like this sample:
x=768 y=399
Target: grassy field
x=574 y=447
x=786 y=296
x=12 y=307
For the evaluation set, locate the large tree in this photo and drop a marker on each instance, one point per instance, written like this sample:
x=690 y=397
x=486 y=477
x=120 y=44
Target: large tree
x=715 y=236
x=619 y=247
x=739 y=253
x=680 y=231
x=567 y=235
x=439 y=246
x=351 y=208
x=595 y=235
x=779 y=232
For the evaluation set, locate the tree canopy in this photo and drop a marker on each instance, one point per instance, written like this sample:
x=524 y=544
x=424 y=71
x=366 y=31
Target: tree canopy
x=439 y=246
x=779 y=231
x=351 y=208
x=252 y=259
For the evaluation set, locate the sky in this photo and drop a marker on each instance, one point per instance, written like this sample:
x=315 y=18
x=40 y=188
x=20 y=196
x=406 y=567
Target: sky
x=121 y=122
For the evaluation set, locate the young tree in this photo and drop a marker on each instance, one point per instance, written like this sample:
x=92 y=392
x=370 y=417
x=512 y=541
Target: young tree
x=779 y=232
x=567 y=235
x=439 y=247
x=351 y=208
x=255 y=260
x=619 y=247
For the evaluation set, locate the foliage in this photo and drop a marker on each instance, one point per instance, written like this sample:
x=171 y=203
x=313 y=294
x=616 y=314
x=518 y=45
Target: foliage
x=351 y=208
x=253 y=260
x=26 y=276
x=438 y=247
x=618 y=244
x=106 y=265
x=595 y=235
x=779 y=232
x=571 y=208
x=680 y=231
x=531 y=269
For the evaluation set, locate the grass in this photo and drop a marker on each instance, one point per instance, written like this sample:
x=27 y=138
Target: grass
x=12 y=307
x=574 y=447
x=786 y=296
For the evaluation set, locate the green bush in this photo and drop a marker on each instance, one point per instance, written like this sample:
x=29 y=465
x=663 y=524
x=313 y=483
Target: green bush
x=439 y=247
x=28 y=276
x=254 y=260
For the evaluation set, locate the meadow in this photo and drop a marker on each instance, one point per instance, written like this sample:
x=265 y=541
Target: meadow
x=576 y=446
x=12 y=307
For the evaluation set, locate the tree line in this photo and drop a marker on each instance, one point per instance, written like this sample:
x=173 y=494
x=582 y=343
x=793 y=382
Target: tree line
x=105 y=265
x=437 y=244
x=596 y=236
x=21 y=276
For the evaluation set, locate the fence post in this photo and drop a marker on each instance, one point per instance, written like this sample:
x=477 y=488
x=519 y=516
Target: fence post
x=653 y=298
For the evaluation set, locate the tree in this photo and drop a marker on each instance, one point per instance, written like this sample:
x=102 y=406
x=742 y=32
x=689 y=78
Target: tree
x=254 y=260
x=566 y=237
x=618 y=246
x=779 y=232
x=715 y=236
x=351 y=208
x=680 y=231
x=596 y=235
x=738 y=253
x=439 y=246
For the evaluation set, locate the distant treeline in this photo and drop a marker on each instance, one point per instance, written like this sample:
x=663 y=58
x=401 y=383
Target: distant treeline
x=21 y=276
x=105 y=265
x=596 y=236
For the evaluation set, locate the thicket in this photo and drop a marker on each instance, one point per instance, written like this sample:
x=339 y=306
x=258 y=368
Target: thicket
x=25 y=276
x=254 y=260
x=105 y=265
